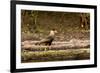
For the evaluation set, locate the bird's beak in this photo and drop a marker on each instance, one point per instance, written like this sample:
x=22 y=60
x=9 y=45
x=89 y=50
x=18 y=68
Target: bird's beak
x=56 y=31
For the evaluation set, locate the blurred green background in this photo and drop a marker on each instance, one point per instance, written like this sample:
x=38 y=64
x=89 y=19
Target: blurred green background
x=36 y=25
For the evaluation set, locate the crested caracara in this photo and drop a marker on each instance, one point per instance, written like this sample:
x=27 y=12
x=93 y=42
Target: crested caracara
x=49 y=39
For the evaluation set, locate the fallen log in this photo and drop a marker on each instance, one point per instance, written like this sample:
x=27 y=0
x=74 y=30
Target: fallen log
x=73 y=41
x=54 y=47
x=59 y=55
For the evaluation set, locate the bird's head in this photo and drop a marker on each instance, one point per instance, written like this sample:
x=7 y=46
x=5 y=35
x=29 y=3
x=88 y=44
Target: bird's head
x=53 y=32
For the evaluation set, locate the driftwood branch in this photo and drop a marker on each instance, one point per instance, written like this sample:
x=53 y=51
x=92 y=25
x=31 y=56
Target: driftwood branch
x=69 y=54
x=55 y=45
x=72 y=50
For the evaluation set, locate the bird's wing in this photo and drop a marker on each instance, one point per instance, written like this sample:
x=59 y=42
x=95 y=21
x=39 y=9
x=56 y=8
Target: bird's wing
x=45 y=40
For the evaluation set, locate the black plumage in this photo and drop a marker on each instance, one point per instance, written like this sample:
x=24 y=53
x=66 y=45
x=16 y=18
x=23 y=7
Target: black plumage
x=49 y=39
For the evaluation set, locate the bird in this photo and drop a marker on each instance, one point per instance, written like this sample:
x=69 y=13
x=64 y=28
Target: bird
x=49 y=39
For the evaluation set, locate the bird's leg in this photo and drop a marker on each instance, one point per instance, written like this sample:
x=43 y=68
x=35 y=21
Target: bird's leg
x=45 y=49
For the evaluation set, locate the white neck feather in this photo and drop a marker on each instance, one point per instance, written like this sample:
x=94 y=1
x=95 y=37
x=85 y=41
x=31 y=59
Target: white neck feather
x=52 y=33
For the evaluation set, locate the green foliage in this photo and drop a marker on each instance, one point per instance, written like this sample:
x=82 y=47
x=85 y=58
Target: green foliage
x=35 y=24
x=35 y=21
